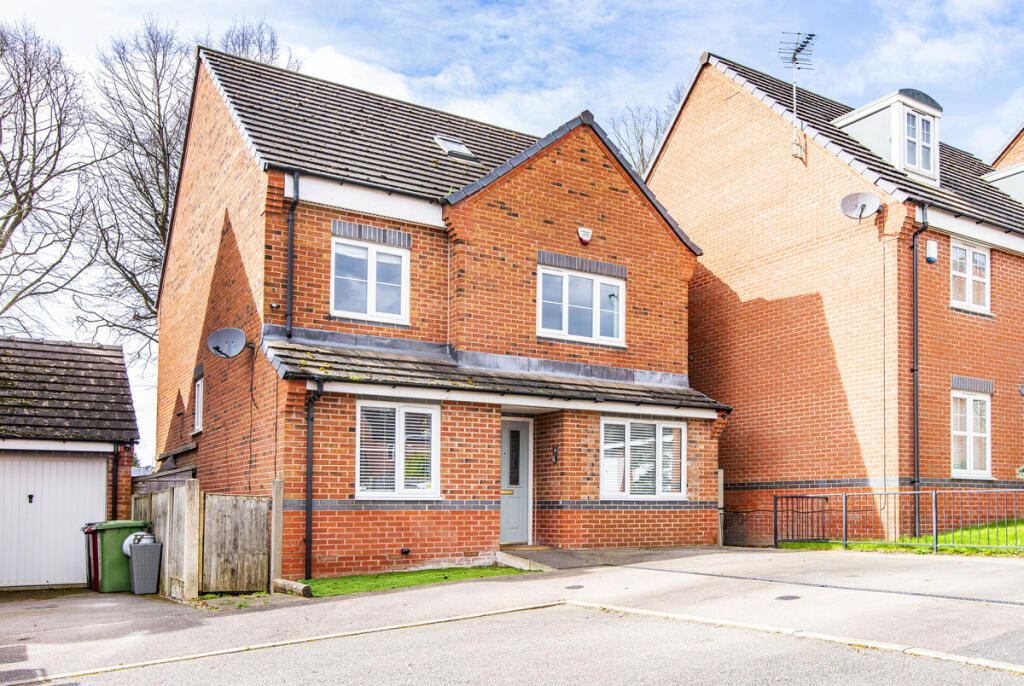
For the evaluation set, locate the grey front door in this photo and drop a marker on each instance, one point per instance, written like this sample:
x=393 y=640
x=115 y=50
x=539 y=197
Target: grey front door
x=515 y=474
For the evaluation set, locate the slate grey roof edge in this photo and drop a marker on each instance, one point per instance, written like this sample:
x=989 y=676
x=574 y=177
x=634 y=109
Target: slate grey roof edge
x=249 y=142
x=584 y=118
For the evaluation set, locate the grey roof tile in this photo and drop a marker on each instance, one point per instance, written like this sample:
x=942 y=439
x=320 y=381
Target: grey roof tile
x=320 y=127
x=64 y=391
x=361 y=366
x=962 y=191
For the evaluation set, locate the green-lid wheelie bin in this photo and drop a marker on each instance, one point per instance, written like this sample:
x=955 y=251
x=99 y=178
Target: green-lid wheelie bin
x=107 y=565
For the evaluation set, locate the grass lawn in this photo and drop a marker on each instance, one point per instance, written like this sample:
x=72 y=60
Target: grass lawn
x=1009 y=532
x=379 y=582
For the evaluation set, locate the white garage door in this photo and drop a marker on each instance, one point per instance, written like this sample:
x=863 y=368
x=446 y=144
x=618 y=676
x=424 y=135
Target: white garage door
x=44 y=502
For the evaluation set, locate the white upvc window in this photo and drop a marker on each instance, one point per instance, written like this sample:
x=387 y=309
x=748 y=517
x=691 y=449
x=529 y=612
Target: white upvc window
x=580 y=307
x=369 y=281
x=970 y=277
x=919 y=135
x=643 y=459
x=197 y=413
x=971 y=429
x=398 y=450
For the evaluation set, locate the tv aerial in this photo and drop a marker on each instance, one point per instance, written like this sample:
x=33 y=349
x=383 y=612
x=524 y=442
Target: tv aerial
x=228 y=342
x=796 y=51
x=860 y=205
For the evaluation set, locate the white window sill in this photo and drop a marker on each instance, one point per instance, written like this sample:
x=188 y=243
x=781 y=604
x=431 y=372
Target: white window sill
x=196 y=432
x=364 y=495
x=971 y=309
x=607 y=342
x=972 y=477
x=363 y=317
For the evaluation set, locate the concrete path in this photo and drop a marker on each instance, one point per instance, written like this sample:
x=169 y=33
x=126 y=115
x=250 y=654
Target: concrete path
x=965 y=606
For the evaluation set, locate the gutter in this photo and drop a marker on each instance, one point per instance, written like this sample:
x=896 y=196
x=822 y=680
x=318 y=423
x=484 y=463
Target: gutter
x=310 y=403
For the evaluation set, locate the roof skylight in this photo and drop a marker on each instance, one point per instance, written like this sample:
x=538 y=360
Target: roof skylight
x=453 y=147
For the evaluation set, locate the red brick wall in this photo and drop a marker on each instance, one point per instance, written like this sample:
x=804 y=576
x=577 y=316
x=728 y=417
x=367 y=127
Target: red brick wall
x=214 y=278
x=370 y=540
x=576 y=477
x=125 y=456
x=1013 y=154
x=496 y=235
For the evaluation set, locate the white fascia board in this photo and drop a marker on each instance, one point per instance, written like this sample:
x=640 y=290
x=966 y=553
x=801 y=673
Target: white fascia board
x=364 y=200
x=970 y=230
x=1000 y=174
x=62 y=446
x=527 y=401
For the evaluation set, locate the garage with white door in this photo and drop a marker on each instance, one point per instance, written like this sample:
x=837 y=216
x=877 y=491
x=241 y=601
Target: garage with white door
x=67 y=431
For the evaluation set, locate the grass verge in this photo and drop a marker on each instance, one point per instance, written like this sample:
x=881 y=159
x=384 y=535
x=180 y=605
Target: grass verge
x=1009 y=532
x=362 y=583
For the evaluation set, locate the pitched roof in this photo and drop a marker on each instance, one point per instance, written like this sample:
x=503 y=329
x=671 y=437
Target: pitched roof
x=296 y=121
x=962 y=191
x=295 y=360
x=64 y=391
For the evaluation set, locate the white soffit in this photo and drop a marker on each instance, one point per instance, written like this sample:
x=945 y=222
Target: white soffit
x=60 y=446
x=511 y=400
x=349 y=196
x=973 y=231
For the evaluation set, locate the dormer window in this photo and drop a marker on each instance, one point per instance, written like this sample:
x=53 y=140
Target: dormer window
x=919 y=141
x=453 y=147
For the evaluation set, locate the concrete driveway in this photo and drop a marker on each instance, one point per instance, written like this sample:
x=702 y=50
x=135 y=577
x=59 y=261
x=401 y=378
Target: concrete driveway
x=697 y=612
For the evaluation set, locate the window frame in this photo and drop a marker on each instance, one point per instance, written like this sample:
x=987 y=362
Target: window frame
x=607 y=494
x=402 y=493
x=198 y=392
x=916 y=166
x=373 y=249
x=969 y=276
x=597 y=280
x=970 y=397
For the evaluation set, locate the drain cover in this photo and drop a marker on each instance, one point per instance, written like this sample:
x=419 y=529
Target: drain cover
x=787 y=597
x=574 y=587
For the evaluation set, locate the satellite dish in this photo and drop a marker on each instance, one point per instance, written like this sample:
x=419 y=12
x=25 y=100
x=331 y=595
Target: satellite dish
x=226 y=342
x=859 y=205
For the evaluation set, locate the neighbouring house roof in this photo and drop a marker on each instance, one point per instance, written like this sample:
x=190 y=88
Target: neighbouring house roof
x=359 y=366
x=300 y=122
x=64 y=391
x=962 y=191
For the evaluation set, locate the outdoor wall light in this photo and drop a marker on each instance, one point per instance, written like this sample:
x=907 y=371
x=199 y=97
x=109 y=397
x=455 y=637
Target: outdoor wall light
x=406 y=551
x=554 y=455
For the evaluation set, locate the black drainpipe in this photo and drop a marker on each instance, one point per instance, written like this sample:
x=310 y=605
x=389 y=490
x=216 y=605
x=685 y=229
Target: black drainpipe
x=291 y=256
x=113 y=486
x=917 y=370
x=310 y=402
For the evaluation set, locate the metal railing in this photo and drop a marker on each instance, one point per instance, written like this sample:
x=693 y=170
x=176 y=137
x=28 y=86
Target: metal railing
x=925 y=519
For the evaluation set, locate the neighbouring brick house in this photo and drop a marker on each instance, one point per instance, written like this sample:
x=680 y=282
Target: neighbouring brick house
x=67 y=442
x=468 y=335
x=802 y=318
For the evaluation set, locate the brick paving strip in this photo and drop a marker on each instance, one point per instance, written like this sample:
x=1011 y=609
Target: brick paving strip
x=582 y=604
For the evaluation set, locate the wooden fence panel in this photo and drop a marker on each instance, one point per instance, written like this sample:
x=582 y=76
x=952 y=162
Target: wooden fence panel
x=236 y=554
x=160 y=515
x=140 y=507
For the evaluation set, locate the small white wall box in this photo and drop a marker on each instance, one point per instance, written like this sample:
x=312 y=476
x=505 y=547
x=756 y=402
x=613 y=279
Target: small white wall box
x=585 y=234
x=931 y=252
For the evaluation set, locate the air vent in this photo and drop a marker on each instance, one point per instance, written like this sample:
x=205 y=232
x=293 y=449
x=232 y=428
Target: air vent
x=453 y=147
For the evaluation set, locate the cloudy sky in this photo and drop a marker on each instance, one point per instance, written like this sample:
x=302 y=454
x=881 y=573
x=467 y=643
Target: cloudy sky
x=532 y=65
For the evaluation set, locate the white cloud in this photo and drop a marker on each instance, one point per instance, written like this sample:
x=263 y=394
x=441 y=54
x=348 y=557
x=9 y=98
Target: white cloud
x=326 y=62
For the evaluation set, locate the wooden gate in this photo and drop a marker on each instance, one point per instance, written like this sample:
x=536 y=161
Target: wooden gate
x=235 y=535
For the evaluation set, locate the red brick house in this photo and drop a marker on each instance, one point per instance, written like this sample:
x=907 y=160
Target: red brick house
x=463 y=336
x=802 y=319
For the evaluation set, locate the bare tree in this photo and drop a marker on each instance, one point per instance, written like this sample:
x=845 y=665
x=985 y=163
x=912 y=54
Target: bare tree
x=43 y=154
x=637 y=129
x=257 y=40
x=144 y=87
